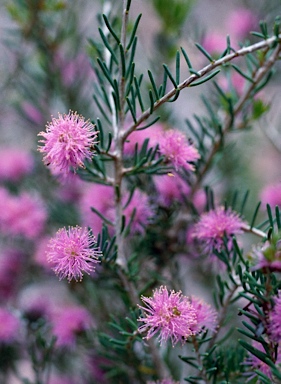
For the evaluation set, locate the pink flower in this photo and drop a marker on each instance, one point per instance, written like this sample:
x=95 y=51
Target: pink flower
x=214 y=43
x=14 y=164
x=207 y=317
x=140 y=207
x=275 y=320
x=138 y=137
x=214 y=225
x=240 y=22
x=70 y=253
x=67 y=142
x=176 y=148
x=271 y=195
x=170 y=314
x=68 y=323
x=40 y=254
x=22 y=215
x=101 y=197
x=171 y=188
x=9 y=326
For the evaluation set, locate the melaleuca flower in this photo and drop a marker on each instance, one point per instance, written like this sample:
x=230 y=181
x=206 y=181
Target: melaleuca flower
x=177 y=149
x=214 y=225
x=271 y=195
x=170 y=314
x=207 y=317
x=274 y=326
x=15 y=163
x=67 y=142
x=71 y=254
x=267 y=255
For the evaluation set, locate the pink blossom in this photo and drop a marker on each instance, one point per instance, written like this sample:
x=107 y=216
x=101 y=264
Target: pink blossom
x=22 y=215
x=101 y=197
x=141 y=209
x=275 y=320
x=214 y=43
x=176 y=148
x=67 y=142
x=71 y=254
x=254 y=363
x=214 y=225
x=170 y=314
x=271 y=195
x=171 y=188
x=240 y=22
x=207 y=317
x=10 y=326
x=68 y=323
x=138 y=137
x=14 y=164
x=40 y=254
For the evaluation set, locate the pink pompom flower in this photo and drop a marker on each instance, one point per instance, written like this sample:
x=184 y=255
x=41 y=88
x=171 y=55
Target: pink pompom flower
x=177 y=150
x=207 y=317
x=170 y=314
x=214 y=225
x=67 y=142
x=71 y=254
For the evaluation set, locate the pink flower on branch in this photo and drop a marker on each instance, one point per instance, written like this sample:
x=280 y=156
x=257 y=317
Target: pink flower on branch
x=214 y=225
x=71 y=254
x=178 y=150
x=170 y=314
x=67 y=142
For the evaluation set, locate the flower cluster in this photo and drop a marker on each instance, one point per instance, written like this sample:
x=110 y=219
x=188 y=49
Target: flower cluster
x=15 y=163
x=70 y=253
x=175 y=316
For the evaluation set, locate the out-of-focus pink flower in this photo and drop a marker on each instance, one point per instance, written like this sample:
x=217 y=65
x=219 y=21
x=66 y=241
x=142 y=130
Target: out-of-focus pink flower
x=68 y=323
x=177 y=150
x=152 y=133
x=214 y=225
x=171 y=188
x=22 y=215
x=67 y=142
x=70 y=188
x=71 y=254
x=275 y=320
x=11 y=262
x=254 y=363
x=32 y=113
x=207 y=317
x=214 y=43
x=10 y=326
x=101 y=197
x=142 y=210
x=271 y=195
x=240 y=22
x=14 y=164
x=170 y=314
